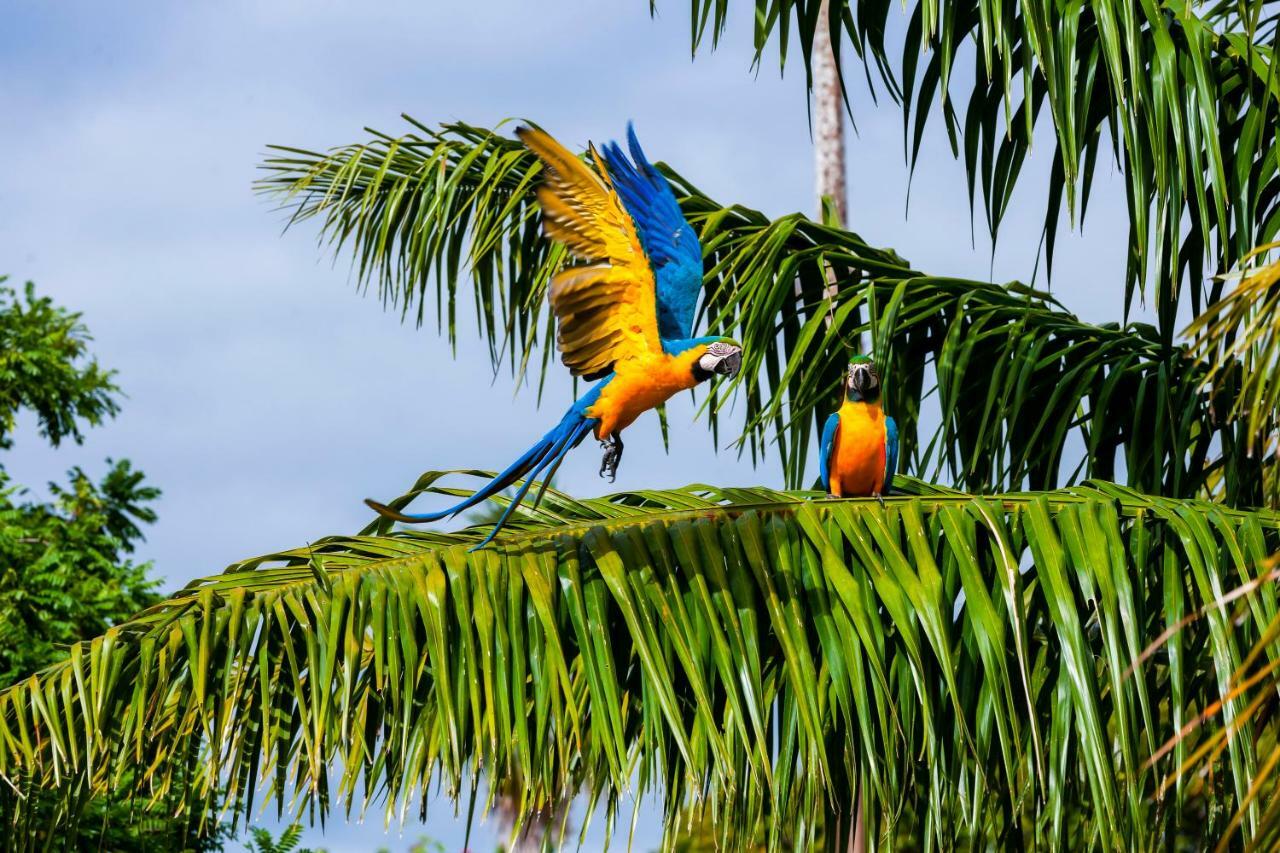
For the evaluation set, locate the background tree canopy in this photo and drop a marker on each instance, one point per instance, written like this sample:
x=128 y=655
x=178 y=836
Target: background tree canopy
x=66 y=574
x=1182 y=96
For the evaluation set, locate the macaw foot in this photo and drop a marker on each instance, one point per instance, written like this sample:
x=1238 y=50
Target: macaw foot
x=612 y=456
x=879 y=497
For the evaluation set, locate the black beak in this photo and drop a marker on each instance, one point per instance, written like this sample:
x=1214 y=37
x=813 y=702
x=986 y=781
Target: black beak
x=730 y=364
x=862 y=379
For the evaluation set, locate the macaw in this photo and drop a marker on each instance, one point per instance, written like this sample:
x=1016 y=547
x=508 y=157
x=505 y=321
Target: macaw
x=859 y=452
x=624 y=312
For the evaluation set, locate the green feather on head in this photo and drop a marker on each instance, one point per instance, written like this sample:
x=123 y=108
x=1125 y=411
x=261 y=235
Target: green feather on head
x=862 y=381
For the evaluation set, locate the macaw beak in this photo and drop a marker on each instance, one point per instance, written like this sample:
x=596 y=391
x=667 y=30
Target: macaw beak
x=862 y=378
x=730 y=364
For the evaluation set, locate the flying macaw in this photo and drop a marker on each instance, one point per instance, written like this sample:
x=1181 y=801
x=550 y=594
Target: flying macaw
x=859 y=452
x=624 y=312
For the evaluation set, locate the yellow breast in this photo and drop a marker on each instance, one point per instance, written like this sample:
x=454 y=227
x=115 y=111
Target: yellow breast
x=858 y=457
x=640 y=384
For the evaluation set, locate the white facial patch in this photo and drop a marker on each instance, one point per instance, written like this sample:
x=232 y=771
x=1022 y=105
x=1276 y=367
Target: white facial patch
x=721 y=358
x=863 y=374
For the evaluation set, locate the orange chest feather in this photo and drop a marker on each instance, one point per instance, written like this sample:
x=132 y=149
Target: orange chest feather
x=640 y=384
x=858 y=454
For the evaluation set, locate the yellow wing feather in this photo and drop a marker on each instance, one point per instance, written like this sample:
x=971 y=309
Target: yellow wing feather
x=606 y=306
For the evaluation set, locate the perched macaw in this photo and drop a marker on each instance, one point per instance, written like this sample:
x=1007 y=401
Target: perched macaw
x=859 y=452
x=624 y=312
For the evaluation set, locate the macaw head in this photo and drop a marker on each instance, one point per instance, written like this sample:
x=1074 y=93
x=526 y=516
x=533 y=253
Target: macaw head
x=862 y=382
x=722 y=357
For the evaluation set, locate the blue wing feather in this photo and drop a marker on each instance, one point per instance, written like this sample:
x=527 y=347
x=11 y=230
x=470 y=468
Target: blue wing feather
x=824 y=451
x=890 y=452
x=668 y=239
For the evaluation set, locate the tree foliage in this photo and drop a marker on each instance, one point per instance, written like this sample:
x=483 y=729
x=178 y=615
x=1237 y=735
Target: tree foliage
x=66 y=571
x=45 y=368
x=262 y=841
x=1018 y=379
x=1239 y=337
x=981 y=665
x=1183 y=97
x=1078 y=662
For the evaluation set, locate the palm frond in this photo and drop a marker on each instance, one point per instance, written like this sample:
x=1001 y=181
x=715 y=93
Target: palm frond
x=747 y=653
x=1020 y=382
x=1183 y=96
x=1255 y=686
x=1240 y=337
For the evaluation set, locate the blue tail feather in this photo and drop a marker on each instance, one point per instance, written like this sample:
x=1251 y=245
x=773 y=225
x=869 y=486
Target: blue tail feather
x=531 y=457
x=550 y=463
x=546 y=455
x=586 y=427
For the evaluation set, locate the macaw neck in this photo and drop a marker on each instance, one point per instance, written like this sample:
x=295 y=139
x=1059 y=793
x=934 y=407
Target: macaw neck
x=856 y=397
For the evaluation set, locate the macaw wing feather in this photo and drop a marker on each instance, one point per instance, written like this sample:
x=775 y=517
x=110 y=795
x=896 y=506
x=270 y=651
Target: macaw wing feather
x=890 y=452
x=606 y=305
x=667 y=237
x=829 y=430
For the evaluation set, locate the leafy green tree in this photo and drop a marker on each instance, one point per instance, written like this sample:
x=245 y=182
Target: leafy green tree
x=262 y=841
x=66 y=570
x=1033 y=656
x=66 y=574
x=45 y=368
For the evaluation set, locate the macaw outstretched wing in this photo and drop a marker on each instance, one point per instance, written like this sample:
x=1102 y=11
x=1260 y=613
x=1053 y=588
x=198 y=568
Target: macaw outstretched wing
x=890 y=453
x=606 y=306
x=667 y=237
x=824 y=450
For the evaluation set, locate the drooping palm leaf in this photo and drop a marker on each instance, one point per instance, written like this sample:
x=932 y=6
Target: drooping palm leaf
x=1255 y=685
x=967 y=659
x=1240 y=337
x=1021 y=383
x=1184 y=96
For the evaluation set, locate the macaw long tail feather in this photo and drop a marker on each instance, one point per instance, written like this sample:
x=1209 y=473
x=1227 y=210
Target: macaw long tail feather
x=545 y=456
x=548 y=463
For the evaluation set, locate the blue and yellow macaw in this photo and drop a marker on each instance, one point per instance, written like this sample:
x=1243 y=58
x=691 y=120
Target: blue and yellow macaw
x=859 y=452
x=624 y=312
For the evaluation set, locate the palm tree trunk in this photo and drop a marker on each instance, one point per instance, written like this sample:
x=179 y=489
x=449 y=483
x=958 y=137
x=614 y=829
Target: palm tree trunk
x=539 y=827
x=828 y=121
x=828 y=137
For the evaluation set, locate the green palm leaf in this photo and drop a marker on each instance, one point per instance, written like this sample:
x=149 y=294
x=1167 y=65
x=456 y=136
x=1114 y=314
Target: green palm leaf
x=1182 y=95
x=1240 y=337
x=1020 y=382
x=1255 y=686
x=746 y=652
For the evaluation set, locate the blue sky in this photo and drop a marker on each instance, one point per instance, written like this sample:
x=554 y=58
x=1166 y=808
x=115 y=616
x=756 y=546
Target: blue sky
x=266 y=397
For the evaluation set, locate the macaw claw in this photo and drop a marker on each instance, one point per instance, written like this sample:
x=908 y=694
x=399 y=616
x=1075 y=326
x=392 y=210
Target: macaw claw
x=612 y=456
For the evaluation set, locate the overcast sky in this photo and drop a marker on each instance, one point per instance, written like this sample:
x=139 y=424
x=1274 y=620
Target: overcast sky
x=265 y=396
